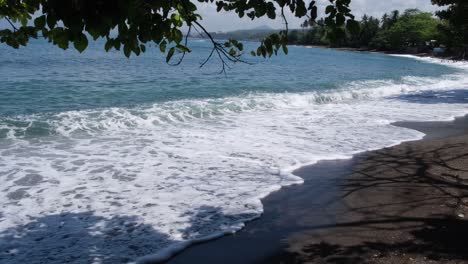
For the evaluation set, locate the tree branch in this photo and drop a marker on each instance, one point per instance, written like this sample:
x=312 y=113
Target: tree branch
x=222 y=53
x=11 y=23
x=185 y=44
x=286 y=24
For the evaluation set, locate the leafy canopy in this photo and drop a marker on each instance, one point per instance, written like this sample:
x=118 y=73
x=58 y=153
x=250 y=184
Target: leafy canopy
x=456 y=17
x=393 y=32
x=137 y=23
x=413 y=28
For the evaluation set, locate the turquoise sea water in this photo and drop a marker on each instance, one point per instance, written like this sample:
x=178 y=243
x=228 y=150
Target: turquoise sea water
x=40 y=79
x=99 y=152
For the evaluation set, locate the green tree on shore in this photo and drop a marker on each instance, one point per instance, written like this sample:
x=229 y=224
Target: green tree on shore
x=455 y=26
x=412 y=29
x=389 y=20
x=393 y=32
x=370 y=27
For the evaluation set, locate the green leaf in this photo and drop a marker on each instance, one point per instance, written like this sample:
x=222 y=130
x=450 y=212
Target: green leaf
x=24 y=21
x=330 y=9
x=51 y=21
x=60 y=38
x=170 y=54
x=127 y=50
x=177 y=35
x=123 y=30
x=344 y=9
x=108 y=45
x=175 y=17
x=81 y=42
x=312 y=4
x=313 y=13
x=271 y=11
x=40 y=22
x=162 y=46
x=301 y=9
x=269 y=46
x=285 y=49
x=94 y=33
x=137 y=50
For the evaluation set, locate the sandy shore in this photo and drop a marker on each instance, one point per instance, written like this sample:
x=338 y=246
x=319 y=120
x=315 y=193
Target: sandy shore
x=404 y=204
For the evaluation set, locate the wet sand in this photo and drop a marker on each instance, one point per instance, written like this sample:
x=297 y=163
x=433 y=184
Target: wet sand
x=404 y=204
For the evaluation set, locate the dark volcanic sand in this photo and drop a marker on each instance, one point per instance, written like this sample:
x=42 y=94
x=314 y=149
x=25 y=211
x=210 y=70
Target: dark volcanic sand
x=404 y=204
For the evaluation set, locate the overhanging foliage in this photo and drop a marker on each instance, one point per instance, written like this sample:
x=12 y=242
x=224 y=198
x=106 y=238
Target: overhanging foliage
x=140 y=22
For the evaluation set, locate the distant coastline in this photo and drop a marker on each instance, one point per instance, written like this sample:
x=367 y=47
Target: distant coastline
x=388 y=52
x=254 y=38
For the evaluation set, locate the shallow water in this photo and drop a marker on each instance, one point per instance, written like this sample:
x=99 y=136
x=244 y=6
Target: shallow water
x=105 y=159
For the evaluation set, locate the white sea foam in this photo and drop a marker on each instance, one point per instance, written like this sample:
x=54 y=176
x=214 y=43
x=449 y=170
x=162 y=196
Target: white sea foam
x=169 y=174
x=447 y=62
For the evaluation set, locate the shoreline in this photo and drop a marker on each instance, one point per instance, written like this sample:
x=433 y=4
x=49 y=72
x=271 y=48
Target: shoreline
x=146 y=225
x=168 y=254
x=172 y=253
x=367 y=50
x=289 y=214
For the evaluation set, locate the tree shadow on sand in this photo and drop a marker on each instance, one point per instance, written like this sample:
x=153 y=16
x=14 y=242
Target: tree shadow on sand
x=88 y=238
x=401 y=205
x=432 y=239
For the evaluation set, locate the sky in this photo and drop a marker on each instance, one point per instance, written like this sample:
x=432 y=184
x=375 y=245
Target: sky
x=224 y=21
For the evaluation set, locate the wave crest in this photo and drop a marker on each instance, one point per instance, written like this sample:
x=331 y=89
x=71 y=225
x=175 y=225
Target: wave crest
x=171 y=113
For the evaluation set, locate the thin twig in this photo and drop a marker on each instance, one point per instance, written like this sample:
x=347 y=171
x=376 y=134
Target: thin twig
x=286 y=24
x=185 y=44
x=12 y=25
x=207 y=59
x=222 y=53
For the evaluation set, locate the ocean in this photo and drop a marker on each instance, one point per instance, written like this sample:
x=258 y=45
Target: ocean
x=105 y=159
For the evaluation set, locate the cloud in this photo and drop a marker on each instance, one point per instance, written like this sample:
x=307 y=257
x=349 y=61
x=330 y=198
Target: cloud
x=378 y=8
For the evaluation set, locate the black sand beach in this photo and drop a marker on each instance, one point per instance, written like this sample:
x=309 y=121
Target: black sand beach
x=404 y=204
